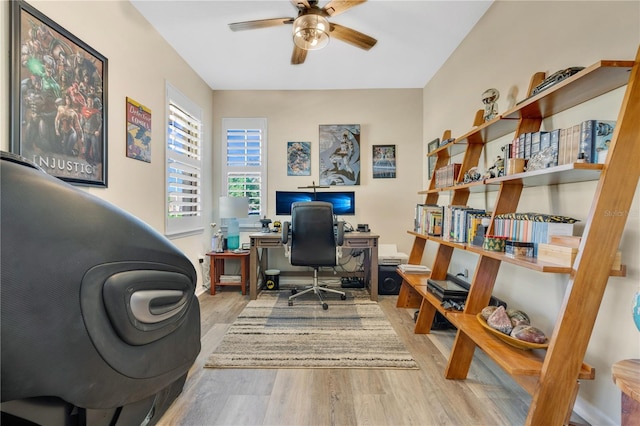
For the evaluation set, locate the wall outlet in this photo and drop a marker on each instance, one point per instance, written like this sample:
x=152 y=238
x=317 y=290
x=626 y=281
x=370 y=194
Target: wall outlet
x=200 y=259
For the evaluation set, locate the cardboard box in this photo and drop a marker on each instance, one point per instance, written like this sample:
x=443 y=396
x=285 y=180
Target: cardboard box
x=565 y=240
x=565 y=255
x=560 y=255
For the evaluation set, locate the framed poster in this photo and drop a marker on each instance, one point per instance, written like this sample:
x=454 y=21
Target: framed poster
x=340 y=154
x=138 y=131
x=384 y=161
x=58 y=101
x=432 y=146
x=298 y=158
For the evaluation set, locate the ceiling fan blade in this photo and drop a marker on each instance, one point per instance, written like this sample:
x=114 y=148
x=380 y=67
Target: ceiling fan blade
x=352 y=37
x=261 y=23
x=298 y=56
x=300 y=4
x=336 y=7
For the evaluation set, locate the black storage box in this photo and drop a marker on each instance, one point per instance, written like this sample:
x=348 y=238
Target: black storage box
x=447 y=290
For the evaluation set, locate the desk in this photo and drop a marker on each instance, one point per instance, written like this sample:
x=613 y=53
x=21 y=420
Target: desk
x=217 y=268
x=262 y=242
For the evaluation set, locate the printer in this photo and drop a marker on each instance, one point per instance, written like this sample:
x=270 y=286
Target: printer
x=388 y=255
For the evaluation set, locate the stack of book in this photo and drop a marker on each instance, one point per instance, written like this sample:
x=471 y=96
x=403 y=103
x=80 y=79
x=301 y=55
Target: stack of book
x=413 y=269
x=230 y=278
x=448 y=175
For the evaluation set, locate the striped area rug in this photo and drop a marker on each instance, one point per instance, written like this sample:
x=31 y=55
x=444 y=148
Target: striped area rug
x=352 y=333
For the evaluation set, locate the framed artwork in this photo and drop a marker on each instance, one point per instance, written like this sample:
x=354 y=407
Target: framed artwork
x=432 y=146
x=138 y=131
x=58 y=100
x=340 y=154
x=384 y=161
x=298 y=158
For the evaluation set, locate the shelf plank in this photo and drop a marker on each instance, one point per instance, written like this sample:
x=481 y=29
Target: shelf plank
x=528 y=263
x=533 y=263
x=491 y=130
x=593 y=81
x=516 y=362
x=566 y=173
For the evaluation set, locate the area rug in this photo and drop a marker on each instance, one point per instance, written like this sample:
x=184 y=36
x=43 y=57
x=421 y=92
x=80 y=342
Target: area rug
x=352 y=333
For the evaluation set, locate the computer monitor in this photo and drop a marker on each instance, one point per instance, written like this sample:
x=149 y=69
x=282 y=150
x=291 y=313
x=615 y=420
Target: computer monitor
x=344 y=202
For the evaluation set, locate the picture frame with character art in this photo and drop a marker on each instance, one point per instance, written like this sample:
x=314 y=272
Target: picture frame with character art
x=58 y=99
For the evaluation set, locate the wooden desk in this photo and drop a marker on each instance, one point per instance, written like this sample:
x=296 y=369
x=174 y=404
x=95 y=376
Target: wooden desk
x=216 y=269
x=262 y=242
x=626 y=375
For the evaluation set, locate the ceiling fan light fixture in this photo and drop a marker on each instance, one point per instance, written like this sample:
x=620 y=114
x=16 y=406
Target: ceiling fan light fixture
x=311 y=32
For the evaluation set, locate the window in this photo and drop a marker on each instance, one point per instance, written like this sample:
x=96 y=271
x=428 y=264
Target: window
x=184 y=165
x=245 y=165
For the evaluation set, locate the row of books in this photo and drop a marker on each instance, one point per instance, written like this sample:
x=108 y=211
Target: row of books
x=532 y=227
x=462 y=224
x=456 y=223
x=448 y=175
x=428 y=219
x=467 y=225
x=588 y=141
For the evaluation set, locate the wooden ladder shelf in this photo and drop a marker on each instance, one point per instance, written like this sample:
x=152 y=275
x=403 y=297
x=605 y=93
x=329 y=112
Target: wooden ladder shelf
x=550 y=376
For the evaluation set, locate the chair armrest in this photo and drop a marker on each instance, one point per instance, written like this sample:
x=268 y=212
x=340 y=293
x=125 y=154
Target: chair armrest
x=285 y=232
x=340 y=233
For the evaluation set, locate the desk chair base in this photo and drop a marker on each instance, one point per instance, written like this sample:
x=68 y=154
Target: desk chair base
x=317 y=290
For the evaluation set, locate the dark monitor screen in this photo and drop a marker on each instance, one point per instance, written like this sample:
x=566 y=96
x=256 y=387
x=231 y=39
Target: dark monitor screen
x=344 y=202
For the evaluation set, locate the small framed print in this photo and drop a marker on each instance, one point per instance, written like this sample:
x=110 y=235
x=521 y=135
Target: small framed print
x=432 y=146
x=384 y=161
x=298 y=158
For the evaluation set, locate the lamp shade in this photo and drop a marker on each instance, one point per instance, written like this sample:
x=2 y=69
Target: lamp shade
x=233 y=207
x=311 y=32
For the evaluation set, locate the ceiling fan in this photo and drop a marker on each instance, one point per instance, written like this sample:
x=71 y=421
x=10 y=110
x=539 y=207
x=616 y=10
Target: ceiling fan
x=311 y=28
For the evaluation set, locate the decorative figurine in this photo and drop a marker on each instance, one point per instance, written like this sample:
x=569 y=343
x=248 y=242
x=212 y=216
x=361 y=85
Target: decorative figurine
x=217 y=242
x=472 y=175
x=265 y=224
x=496 y=170
x=489 y=98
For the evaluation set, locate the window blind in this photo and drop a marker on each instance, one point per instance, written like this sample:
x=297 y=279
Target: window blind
x=184 y=170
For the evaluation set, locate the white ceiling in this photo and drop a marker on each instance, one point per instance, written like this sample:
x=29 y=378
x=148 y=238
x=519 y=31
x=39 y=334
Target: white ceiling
x=414 y=39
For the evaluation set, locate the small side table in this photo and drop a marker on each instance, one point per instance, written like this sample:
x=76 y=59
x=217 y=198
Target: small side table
x=217 y=268
x=626 y=375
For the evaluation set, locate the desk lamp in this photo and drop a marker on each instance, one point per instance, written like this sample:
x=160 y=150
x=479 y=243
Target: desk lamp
x=232 y=208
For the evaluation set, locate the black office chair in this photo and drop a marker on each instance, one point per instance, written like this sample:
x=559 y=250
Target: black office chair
x=99 y=320
x=314 y=242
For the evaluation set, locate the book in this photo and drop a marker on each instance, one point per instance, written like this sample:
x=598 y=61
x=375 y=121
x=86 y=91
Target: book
x=602 y=135
x=562 y=147
x=595 y=139
x=554 y=141
x=428 y=219
x=575 y=144
x=536 y=142
x=527 y=146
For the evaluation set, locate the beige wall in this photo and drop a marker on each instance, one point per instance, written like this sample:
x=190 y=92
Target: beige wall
x=513 y=40
x=506 y=47
x=385 y=117
x=139 y=65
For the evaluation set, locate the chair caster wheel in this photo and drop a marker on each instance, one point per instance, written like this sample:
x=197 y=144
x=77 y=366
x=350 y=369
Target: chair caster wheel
x=343 y=296
x=294 y=291
x=290 y=302
x=325 y=306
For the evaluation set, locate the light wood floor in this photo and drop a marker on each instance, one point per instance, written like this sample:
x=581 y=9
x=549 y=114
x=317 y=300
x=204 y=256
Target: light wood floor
x=344 y=396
